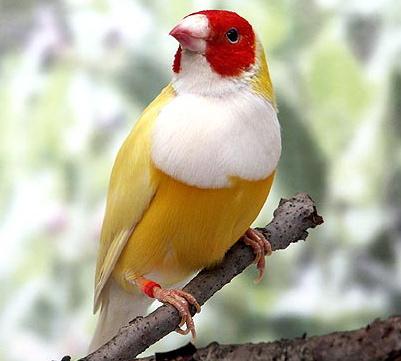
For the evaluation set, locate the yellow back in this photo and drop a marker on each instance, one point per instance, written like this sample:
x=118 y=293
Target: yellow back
x=130 y=192
x=262 y=83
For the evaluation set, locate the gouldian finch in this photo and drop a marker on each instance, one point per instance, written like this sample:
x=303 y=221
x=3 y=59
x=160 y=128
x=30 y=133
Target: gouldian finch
x=192 y=175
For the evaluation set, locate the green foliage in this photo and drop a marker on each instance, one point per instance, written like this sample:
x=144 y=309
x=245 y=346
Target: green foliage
x=339 y=97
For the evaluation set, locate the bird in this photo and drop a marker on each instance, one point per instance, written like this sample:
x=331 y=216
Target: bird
x=191 y=176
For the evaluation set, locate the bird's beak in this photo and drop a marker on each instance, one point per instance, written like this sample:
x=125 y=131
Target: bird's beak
x=192 y=33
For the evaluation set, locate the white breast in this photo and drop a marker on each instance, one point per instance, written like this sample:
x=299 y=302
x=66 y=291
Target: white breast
x=203 y=141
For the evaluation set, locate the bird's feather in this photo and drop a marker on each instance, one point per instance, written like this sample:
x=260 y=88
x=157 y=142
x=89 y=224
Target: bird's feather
x=117 y=309
x=240 y=133
x=131 y=189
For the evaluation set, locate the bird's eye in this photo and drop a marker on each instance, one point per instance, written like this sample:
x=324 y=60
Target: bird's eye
x=232 y=36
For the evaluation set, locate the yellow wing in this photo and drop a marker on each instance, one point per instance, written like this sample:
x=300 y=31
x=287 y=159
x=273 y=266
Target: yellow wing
x=131 y=190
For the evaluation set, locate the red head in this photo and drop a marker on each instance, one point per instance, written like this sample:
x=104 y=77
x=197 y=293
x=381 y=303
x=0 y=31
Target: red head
x=225 y=39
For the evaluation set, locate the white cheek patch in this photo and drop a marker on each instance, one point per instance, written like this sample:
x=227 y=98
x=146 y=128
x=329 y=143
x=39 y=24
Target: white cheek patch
x=203 y=141
x=197 y=77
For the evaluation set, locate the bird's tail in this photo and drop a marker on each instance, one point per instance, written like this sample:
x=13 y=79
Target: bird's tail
x=118 y=309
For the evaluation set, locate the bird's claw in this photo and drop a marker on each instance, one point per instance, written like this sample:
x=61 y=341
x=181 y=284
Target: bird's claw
x=181 y=301
x=261 y=247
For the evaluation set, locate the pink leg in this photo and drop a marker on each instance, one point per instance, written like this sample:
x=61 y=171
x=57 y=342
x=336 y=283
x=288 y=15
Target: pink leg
x=261 y=248
x=177 y=298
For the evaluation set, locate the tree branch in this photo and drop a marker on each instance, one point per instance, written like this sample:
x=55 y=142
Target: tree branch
x=380 y=340
x=290 y=223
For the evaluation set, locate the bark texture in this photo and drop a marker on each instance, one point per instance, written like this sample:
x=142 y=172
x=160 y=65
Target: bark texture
x=379 y=341
x=291 y=220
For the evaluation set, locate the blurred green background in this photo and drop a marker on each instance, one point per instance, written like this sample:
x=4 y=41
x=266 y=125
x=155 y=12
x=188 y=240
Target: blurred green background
x=74 y=77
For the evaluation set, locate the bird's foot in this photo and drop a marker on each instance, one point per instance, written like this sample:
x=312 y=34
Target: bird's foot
x=177 y=298
x=261 y=247
x=181 y=301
